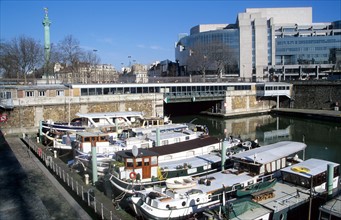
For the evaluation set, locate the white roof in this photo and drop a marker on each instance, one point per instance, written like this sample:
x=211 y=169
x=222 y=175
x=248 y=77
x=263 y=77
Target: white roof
x=315 y=166
x=271 y=152
x=109 y=114
x=166 y=127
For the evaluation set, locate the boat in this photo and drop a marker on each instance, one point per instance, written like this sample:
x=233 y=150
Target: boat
x=180 y=182
x=52 y=130
x=155 y=165
x=256 y=188
x=145 y=138
x=211 y=188
x=89 y=120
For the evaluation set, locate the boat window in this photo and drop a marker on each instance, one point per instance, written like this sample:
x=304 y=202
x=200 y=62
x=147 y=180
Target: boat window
x=103 y=138
x=86 y=139
x=146 y=162
x=145 y=145
x=153 y=160
x=139 y=162
x=336 y=171
x=183 y=203
x=130 y=163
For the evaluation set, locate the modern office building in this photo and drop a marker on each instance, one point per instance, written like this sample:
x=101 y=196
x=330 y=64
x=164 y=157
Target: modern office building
x=264 y=42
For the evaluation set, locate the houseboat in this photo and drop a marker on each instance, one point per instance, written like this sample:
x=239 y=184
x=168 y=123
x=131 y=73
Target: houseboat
x=163 y=203
x=51 y=130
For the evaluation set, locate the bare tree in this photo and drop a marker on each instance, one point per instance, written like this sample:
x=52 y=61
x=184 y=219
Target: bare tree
x=91 y=61
x=71 y=55
x=20 y=56
x=199 y=60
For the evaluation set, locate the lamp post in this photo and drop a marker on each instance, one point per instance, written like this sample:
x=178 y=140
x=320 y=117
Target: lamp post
x=95 y=62
x=129 y=57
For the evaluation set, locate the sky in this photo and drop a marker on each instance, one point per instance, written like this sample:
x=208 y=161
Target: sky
x=134 y=31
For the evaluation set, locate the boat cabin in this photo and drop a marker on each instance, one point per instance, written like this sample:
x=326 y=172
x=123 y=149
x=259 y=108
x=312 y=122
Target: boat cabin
x=301 y=174
x=142 y=167
x=118 y=119
x=266 y=159
x=85 y=140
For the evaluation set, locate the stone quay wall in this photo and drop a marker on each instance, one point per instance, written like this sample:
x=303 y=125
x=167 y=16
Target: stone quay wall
x=316 y=95
x=25 y=117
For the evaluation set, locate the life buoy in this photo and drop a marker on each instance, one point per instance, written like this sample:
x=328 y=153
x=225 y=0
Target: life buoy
x=132 y=175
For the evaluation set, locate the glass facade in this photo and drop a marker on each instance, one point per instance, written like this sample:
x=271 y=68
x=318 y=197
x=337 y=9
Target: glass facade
x=306 y=50
x=208 y=40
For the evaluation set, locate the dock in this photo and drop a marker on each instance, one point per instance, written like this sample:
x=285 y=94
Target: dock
x=331 y=115
x=35 y=185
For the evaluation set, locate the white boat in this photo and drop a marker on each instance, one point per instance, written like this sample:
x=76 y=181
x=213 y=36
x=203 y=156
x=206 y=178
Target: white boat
x=211 y=188
x=180 y=182
x=52 y=130
x=106 y=146
x=89 y=120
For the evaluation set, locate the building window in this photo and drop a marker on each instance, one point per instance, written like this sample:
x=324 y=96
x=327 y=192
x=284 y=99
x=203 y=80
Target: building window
x=41 y=93
x=60 y=92
x=29 y=93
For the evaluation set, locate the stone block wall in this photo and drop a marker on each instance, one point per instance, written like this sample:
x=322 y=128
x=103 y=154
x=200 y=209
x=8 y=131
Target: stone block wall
x=312 y=95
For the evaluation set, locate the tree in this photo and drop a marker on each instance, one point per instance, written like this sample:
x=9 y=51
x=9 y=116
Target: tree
x=71 y=55
x=91 y=61
x=198 y=60
x=20 y=56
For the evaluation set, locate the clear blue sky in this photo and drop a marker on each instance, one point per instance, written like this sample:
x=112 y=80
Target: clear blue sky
x=144 y=30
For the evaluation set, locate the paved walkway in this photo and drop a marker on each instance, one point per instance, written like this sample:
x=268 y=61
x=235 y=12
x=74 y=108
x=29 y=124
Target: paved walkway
x=28 y=190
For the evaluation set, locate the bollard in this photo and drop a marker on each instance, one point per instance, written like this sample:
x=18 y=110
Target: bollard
x=23 y=135
x=55 y=154
x=86 y=176
x=38 y=140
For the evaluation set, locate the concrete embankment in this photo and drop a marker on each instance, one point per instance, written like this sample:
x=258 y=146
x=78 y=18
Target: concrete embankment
x=329 y=115
x=34 y=185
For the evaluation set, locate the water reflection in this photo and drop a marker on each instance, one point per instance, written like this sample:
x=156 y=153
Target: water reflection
x=322 y=137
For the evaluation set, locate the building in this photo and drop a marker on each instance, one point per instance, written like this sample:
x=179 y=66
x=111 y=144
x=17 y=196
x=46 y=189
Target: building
x=264 y=43
x=86 y=73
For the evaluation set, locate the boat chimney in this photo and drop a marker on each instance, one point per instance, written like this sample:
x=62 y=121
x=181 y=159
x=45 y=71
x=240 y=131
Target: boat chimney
x=94 y=163
x=330 y=174
x=223 y=154
x=157 y=137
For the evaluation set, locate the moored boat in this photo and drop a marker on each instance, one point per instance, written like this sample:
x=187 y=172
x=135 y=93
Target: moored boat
x=211 y=188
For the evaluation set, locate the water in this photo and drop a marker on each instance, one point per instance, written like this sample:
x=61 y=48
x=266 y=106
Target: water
x=323 y=138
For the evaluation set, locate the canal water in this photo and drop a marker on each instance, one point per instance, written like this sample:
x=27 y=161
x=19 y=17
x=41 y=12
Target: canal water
x=323 y=138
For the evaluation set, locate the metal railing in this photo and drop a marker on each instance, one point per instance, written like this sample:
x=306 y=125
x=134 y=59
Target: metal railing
x=63 y=172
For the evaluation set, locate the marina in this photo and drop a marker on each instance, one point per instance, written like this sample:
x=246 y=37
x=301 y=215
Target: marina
x=265 y=209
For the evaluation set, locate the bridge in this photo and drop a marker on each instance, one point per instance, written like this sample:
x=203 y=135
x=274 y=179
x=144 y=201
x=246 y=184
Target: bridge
x=172 y=92
x=187 y=92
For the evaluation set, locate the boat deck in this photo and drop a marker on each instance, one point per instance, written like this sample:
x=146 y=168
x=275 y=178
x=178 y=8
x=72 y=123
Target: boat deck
x=197 y=161
x=332 y=207
x=285 y=195
x=218 y=180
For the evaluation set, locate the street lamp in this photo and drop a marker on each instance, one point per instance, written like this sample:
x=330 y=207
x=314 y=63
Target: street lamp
x=95 y=63
x=129 y=57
